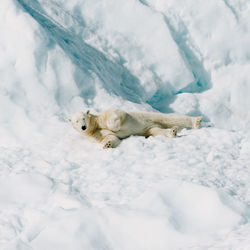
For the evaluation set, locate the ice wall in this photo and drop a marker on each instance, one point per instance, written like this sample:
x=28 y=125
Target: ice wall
x=215 y=41
x=173 y=56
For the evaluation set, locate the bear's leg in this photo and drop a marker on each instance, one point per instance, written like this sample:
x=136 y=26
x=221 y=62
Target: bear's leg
x=110 y=141
x=168 y=132
x=170 y=120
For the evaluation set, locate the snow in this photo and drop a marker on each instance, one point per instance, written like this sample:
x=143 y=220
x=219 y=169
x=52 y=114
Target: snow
x=59 y=191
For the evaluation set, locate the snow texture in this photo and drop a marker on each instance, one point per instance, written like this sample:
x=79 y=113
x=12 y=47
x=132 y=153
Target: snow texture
x=60 y=191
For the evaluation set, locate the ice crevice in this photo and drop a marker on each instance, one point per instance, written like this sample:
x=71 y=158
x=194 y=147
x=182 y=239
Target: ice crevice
x=189 y=51
x=115 y=77
x=234 y=12
x=202 y=77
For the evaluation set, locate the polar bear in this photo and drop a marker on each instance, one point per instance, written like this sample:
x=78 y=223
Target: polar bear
x=113 y=125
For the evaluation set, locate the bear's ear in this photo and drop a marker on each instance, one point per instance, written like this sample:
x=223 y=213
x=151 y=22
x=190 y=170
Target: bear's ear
x=87 y=112
x=69 y=120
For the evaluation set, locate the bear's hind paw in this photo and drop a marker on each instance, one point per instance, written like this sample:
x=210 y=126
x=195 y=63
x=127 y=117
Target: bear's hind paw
x=197 y=122
x=173 y=131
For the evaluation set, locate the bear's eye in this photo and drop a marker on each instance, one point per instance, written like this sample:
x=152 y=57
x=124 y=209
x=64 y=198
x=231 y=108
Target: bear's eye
x=77 y=121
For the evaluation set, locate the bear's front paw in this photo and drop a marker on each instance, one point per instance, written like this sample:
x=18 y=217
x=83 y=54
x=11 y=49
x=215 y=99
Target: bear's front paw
x=108 y=144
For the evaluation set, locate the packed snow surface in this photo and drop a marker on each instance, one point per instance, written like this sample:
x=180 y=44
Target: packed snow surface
x=60 y=191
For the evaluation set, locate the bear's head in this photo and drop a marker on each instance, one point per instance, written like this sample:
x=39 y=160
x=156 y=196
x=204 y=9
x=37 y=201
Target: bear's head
x=80 y=121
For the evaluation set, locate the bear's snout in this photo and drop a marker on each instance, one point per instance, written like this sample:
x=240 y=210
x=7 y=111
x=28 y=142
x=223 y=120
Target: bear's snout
x=83 y=127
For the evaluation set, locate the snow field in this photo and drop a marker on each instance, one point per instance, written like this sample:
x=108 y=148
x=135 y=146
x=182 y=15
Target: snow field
x=141 y=190
x=59 y=191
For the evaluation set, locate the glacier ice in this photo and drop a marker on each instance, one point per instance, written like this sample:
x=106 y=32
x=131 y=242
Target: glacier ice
x=59 y=57
x=192 y=50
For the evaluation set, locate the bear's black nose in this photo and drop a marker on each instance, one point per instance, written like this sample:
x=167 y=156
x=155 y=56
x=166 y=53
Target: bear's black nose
x=83 y=127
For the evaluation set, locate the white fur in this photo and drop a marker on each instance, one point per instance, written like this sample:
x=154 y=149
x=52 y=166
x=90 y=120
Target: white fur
x=110 y=126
